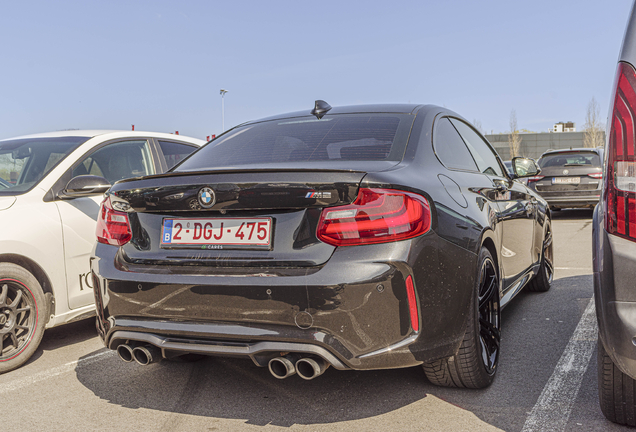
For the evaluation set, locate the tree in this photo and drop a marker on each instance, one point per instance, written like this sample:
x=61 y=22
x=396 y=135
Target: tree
x=514 y=140
x=477 y=125
x=593 y=128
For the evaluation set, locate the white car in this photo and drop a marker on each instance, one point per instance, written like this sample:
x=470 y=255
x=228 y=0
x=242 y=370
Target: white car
x=51 y=186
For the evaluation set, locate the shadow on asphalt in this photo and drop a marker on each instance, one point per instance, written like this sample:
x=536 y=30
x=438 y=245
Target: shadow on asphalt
x=237 y=389
x=536 y=328
x=64 y=335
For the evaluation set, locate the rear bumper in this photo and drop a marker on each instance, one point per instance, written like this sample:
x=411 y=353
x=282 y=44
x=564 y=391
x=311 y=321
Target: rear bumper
x=571 y=201
x=614 y=261
x=353 y=311
x=568 y=198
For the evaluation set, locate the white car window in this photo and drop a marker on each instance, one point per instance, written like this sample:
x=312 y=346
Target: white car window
x=118 y=161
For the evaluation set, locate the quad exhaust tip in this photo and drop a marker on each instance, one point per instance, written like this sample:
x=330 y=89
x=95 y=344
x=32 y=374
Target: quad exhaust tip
x=125 y=352
x=309 y=368
x=145 y=355
x=306 y=368
x=281 y=367
x=142 y=354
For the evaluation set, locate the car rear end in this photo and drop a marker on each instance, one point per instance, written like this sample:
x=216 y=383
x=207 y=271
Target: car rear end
x=295 y=254
x=614 y=247
x=570 y=178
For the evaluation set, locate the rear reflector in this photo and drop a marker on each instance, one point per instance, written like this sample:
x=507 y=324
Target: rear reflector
x=376 y=216
x=534 y=178
x=620 y=180
x=625 y=176
x=596 y=175
x=113 y=226
x=410 y=292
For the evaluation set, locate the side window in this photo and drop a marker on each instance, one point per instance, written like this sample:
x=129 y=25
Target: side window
x=482 y=152
x=88 y=166
x=175 y=152
x=118 y=161
x=450 y=148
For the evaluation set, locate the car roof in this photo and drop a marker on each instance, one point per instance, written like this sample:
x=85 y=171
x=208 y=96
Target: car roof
x=578 y=149
x=351 y=109
x=108 y=133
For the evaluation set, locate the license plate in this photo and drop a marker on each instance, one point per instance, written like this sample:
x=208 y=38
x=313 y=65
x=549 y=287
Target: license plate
x=566 y=180
x=216 y=233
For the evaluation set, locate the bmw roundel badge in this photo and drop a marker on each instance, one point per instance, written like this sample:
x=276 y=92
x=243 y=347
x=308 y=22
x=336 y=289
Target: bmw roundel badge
x=207 y=197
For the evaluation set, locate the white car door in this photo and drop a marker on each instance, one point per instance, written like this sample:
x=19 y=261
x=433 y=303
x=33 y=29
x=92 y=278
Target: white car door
x=114 y=161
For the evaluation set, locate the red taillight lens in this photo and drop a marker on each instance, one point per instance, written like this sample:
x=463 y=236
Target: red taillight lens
x=376 y=216
x=113 y=226
x=620 y=181
x=410 y=292
x=534 y=178
x=596 y=175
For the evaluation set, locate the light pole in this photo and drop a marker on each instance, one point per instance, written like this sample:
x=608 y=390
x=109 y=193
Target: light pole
x=222 y=92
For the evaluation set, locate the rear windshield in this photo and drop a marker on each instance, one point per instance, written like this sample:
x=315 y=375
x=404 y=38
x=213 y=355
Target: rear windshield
x=579 y=158
x=24 y=162
x=350 y=137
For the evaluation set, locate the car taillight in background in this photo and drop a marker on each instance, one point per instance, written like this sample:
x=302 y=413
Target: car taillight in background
x=376 y=216
x=534 y=178
x=596 y=175
x=113 y=227
x=620 y=182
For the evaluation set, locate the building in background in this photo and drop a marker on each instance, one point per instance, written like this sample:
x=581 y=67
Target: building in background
x=564 y=127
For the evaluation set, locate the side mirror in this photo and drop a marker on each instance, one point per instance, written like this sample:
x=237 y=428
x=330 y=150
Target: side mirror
x=524 y=167
x=21 y=152
x=84 y=185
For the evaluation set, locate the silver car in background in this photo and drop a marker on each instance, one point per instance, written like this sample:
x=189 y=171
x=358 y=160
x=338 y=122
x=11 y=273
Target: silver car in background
x=614 y=246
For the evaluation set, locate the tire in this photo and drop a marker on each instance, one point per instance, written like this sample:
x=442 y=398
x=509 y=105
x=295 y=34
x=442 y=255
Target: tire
x=22 y=316
x=543 y=279
x=616 y=390
x=475 y=364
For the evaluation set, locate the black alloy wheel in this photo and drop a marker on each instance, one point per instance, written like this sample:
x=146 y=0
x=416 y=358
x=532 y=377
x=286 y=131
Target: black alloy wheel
x=489 y=316
x=21 y=317
x=542 y=281
x=475 y=365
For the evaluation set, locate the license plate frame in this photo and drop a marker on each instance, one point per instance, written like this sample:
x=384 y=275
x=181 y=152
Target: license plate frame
x=254 y=233
x=566 y=180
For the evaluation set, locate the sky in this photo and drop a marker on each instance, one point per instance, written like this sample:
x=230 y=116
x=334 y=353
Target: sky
x=160 y=64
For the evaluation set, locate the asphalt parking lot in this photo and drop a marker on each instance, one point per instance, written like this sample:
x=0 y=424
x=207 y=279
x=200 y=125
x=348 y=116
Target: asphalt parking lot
x=546 y=381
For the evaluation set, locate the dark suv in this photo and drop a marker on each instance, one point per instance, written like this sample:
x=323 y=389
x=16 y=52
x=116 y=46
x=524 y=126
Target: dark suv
x=570 y=178
x=614 y=247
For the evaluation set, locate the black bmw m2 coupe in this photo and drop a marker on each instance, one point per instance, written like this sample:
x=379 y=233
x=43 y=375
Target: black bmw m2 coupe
x=360 y=237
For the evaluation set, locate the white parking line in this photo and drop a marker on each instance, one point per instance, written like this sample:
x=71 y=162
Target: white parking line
x=573 y=268
x=552 y=410
x=53 y=372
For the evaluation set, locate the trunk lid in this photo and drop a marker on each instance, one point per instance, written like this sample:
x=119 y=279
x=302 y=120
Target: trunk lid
x=292 y=200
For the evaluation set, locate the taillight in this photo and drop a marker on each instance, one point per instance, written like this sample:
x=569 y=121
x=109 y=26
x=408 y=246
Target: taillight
x=620 y=181
x=376 y=216
x=534 y=178
x=113 y=226
x=596 y=175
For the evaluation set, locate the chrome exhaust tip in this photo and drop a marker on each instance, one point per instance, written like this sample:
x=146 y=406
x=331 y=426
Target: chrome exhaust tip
x=309 y=368
x=125 y=352
x=144 y=355
x=281 y=367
